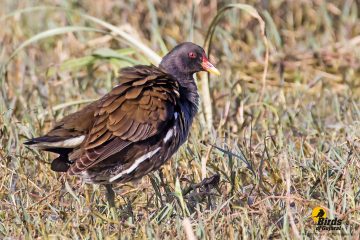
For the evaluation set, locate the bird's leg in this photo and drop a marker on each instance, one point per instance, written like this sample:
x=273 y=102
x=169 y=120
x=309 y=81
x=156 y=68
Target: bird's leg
x=163 y=184
x=110 y=195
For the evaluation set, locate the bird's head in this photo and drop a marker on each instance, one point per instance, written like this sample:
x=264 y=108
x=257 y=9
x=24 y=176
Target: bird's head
x=186 y=59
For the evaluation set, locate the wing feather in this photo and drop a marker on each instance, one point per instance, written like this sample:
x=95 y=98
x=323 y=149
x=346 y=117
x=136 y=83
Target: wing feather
x=137 y=109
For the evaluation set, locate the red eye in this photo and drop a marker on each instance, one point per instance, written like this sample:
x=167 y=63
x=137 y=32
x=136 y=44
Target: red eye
x=192 y=55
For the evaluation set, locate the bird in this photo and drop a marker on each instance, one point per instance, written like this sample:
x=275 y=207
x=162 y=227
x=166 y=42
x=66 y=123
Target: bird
x=136 y=127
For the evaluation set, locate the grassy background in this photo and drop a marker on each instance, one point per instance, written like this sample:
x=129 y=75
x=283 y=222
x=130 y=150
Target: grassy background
x=279 y=154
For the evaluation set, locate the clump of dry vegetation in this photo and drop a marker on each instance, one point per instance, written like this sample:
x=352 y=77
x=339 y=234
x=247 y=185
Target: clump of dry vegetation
x=266 y=154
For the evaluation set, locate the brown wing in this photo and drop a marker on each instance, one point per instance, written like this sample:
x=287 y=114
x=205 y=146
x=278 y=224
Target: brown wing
x=75 y=124
x=70 y=127
x=135 y=110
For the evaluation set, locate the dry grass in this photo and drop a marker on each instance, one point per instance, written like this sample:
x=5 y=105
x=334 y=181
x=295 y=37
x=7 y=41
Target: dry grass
x=278 y=155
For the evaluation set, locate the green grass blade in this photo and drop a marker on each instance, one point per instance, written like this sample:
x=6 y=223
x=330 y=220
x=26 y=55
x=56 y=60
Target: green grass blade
x=50 y=33
x=207 y=44
x=130 y=40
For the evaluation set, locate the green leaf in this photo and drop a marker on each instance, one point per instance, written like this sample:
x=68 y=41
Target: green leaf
x=109 y=53
x=71 y=64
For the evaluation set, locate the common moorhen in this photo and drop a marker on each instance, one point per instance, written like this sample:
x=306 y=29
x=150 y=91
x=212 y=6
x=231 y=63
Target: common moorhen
x=136 y=127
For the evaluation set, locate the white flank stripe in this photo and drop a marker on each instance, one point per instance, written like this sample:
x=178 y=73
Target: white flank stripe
x=176 y=115
x=68 y=143
x=168 y=135
x=135 y=164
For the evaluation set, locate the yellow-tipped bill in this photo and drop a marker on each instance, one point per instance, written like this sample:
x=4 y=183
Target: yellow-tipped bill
x=207 y=66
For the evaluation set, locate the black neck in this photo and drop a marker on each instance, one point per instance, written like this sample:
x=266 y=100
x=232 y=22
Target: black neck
x=188 y=89
x=189 y=99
